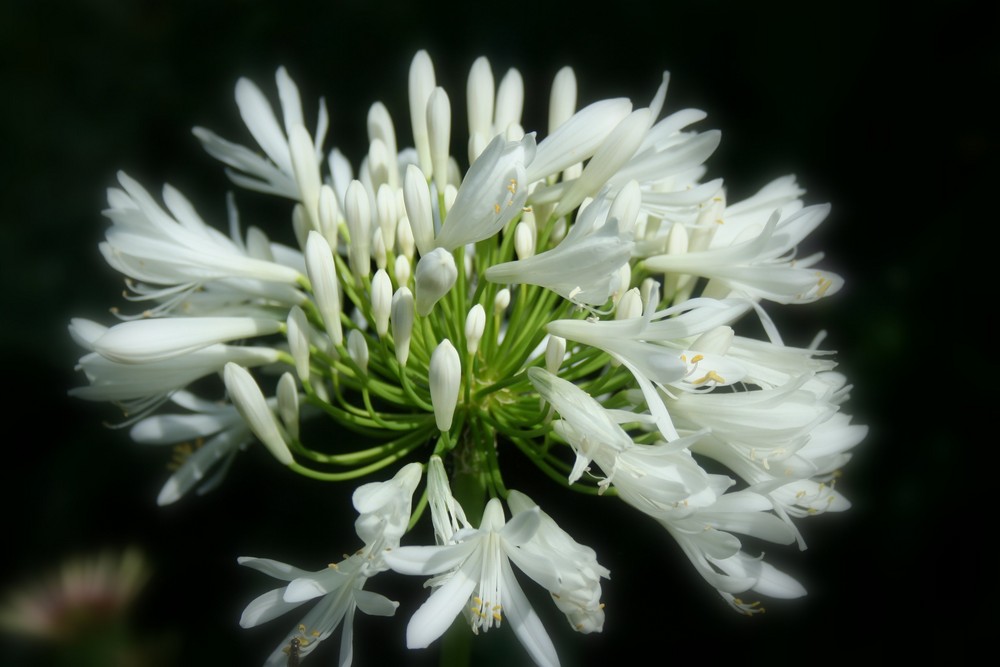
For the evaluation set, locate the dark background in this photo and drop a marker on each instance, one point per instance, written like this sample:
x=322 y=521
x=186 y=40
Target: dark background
x=877 y=109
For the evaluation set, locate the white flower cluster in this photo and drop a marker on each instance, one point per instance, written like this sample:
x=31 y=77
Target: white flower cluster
x=573 y=299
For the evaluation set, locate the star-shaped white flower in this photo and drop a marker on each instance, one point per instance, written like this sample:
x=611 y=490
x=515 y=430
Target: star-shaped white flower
x=476 y=576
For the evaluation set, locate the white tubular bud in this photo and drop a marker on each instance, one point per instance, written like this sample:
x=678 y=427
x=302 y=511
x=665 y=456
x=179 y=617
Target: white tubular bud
x=480 y=95
x=298 y=341
x=288 y=404
x=445 y=380
x=357 y=210
x=625 y=207
x=248 y=399
x=510 y=101
x=421 y=84
x=555 y=352
x=477 y=143
x=380 y=127
x=677 y=244
x=621 y=282
x=524 y=240
x=305 y=166
x=417 y=199
x=501 y=301
x=404 y=237
x=716 y=341
x=387 y=215
x=323 y=275
x=436 y=274
x=475 y=323
x=379 y=163
x=329 y=216
x=439 y=134
x=402 y=323
x=357 y=347
x=300 y=224
x=402 y=268
x=378 y=249
x=514 y=132
x=630 y=305
x=258 y=245
x=562 y=99
x=381 y=298
x=650 y=291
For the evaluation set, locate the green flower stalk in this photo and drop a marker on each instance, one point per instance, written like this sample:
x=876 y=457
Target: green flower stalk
x=569 y=301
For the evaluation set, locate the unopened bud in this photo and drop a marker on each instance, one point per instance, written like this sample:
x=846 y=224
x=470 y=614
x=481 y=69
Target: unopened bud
x=402 y=323
x=248 y=399
x=357 y=347
x=436 y=274
x=323 y=275
x=475 y=322
x=381 y=299
x=445 y=380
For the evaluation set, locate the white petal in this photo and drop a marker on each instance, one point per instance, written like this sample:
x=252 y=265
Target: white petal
x=437 y=614
x=525 y=622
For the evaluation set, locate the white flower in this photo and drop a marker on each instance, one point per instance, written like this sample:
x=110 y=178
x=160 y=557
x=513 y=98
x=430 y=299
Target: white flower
x=493 y=192
x=763 y=266
x=566 y=568
x=384 y=509
x=478 y=578
x=275 y=174
x=214 y=431
x=583 y=267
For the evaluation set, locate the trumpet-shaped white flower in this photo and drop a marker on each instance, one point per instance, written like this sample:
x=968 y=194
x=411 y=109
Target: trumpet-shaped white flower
x=176 y=248
x=583 y=268
x=384 y=511
x=492 y=193
x=274 y=174
x=761 y=267
x=477 y=577
x=213 y=432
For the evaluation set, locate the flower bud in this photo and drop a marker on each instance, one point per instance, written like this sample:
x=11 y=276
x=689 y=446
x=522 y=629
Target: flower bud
x=357 y=347
x=436 y=274
x=288 y=404
x=524 y=240
x=475 y=322
x=402 y=270
x=323 y=275
x=555 y=352
x=630 y=305
x=417 y=200
x=357 y=210
x=402 y=323
x=381 y=298
x=251 y=404
x=421 y=84
x=329 y=216
x=387 y=215
x=439 y=134
x=501 y=301
x=445 y=380
x=562 y=99
x=297 y=330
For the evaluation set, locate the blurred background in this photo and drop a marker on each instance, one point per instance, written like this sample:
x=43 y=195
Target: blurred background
x=877 y=110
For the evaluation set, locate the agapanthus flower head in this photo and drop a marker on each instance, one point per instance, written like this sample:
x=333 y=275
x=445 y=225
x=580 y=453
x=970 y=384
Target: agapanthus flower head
x=569 y=296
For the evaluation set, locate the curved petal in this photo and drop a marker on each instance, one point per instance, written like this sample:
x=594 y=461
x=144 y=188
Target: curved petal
x=524 y=621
